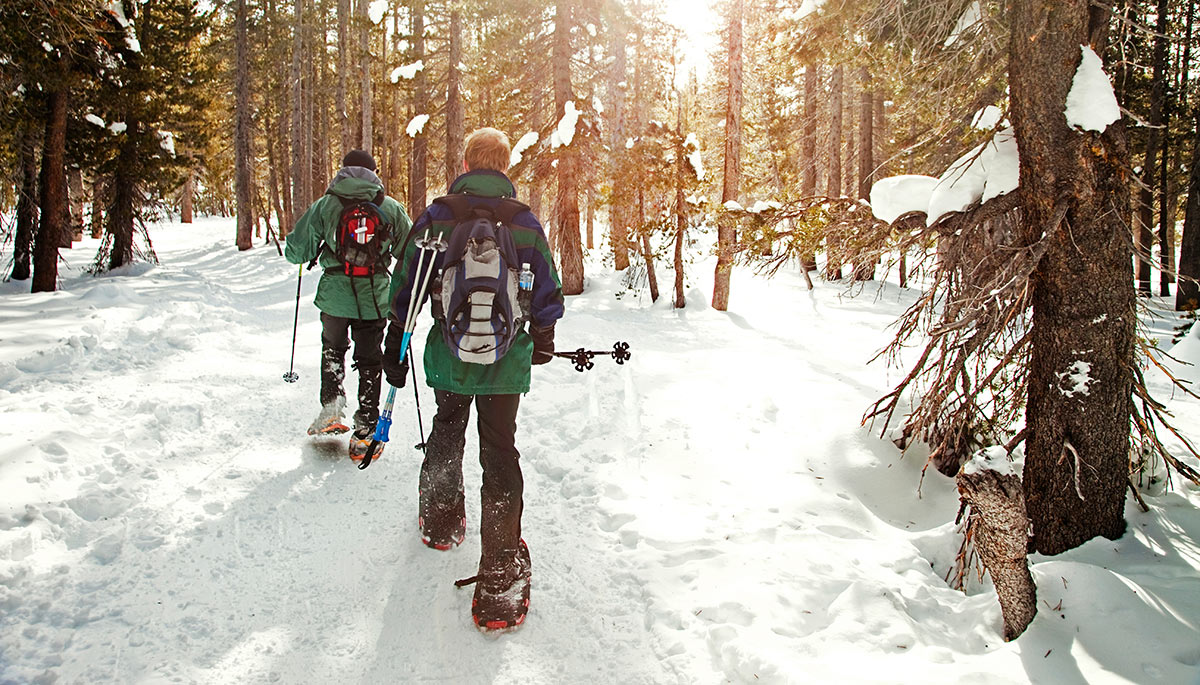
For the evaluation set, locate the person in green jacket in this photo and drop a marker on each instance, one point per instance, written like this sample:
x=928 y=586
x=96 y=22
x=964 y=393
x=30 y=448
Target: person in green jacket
x=353 y=300
x=502 y=590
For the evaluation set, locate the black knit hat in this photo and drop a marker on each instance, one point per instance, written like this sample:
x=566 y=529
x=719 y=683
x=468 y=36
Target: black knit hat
x=359 y=158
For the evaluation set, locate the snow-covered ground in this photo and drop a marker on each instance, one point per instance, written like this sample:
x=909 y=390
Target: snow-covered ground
x=710 y=512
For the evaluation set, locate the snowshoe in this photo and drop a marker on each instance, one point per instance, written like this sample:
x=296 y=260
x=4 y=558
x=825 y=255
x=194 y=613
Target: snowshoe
x=329 y=421
x=360 y=443
x=443 y=528
x=501 y=599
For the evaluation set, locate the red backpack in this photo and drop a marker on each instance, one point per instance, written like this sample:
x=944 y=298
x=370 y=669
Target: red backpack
x=361 y=233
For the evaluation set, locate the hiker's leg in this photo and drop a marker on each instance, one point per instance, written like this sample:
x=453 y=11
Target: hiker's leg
x=441 y=481
x=335 y=341
x=368 y=359
x=503 y=485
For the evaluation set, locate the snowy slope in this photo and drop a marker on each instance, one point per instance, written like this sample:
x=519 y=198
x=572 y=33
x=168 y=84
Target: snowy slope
x=710 y=512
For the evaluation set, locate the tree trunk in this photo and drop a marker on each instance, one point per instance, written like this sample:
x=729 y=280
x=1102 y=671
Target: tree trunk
x=242 y=131
x=454 y=104
x=1145 y=215
x=420 y=149
x=837 y=85
x=866 y=158
x=301 y=165
x=647 y=253
x=343 y=68
x=121 y=214
x=1082 y=337
x=808 y=148
x=53 y=194
x=364 y=73
x=567 y=214
x=618 y=213
x=27 y=206
x=1187 y=295
x=75 y=193
x=1000 y=528
x=314 y=126
x=1166 y=201
x=97 y=218
x=591 y=216
x=730 y=190
x=187 y=197
x=833 y=263
x=808 y=145
x=681 y=221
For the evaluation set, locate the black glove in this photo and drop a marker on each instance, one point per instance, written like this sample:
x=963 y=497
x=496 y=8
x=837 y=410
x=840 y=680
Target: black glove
x=394 y=370
x=543 y=344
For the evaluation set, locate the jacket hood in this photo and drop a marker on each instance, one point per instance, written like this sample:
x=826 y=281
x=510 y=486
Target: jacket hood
x=355 y=183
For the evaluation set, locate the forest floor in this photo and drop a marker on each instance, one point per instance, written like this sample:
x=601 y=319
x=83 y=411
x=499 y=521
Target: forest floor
x=713 y=511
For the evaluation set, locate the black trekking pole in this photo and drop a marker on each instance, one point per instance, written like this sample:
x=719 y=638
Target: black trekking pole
x=583 y=358
x=291 y=376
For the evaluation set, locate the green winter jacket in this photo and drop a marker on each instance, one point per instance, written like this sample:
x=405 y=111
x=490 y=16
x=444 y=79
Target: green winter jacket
x=361 y=297
x=511 y=373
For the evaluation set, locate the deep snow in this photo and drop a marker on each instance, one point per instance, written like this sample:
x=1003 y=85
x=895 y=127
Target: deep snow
x=711 y=512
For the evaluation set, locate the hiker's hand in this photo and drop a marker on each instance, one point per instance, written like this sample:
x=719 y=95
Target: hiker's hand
x=394 y=370
x=543 y=344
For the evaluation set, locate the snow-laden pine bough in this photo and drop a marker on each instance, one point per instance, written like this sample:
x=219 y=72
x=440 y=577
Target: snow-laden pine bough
x=426 y=247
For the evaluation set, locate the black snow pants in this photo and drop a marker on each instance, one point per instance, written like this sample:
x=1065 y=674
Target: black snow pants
x=336 y=332
x=503 y=486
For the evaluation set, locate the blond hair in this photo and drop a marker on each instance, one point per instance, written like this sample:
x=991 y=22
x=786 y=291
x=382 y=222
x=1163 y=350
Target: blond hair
x=487 y=148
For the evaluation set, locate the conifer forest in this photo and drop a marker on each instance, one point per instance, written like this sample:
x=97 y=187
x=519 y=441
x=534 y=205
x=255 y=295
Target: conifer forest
x=1003 y=195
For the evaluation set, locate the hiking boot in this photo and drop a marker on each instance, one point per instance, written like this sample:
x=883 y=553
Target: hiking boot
x=329 y=421
x=443 y=528
x=502 y=594
x=360 y=443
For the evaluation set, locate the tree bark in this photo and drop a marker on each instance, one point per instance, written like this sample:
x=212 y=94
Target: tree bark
x=27 y=206
x=1187 y=295
x=731 y=188
x=618 y=231
x=364 y=72
x=345 y=131
x=242 y=131
x=1082 y=338
x=53 y=194
x=1145 y=215
x=301 y=164
x=647 y=253
x=121 y=214
x=866 y=157
x=833 y=264
x=75 y=193
x=1000 y=528
x=808 y=148
x=97 y=218
x=418 y=169
x=1166 y=202
x=567 y=214
x=808 y=139
x=187 y=197
x=681 y=221
x=454 y=104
